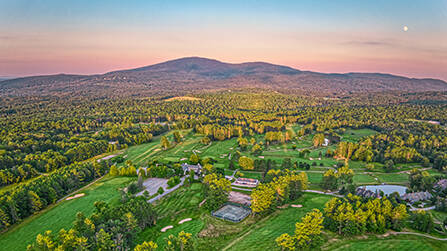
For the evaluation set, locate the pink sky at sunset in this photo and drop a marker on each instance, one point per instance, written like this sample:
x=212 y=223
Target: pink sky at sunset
x=317 y=41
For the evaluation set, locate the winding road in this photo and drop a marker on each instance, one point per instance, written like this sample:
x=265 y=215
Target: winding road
x=423 y=235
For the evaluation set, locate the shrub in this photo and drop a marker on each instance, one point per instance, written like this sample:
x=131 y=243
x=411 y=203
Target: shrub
x=132 y=188
x=173 y=181
x=422 y=221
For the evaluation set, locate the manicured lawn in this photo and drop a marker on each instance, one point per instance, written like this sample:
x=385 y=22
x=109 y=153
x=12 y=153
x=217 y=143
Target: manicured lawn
x=357 y=165
x=397 y=243
x=364 y=179
x=355 y=135
x=399 y=178
x=215 y=234
x=262 y=236
x=252 y=175
x=220 y=150
x=63 y=214
x=315 y=178
x=180 y=204
x=142 y=153
x=139 y=153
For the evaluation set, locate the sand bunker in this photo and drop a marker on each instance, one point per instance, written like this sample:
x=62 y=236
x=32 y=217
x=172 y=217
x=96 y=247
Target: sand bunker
x=166 y=228
x=184 y=220
x=75 y=196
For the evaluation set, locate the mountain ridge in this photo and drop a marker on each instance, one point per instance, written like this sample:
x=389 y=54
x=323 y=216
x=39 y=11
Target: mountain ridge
x=197 y=73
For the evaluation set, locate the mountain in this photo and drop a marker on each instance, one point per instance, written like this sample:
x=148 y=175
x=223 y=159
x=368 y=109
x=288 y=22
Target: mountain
x=5 y=78
x=196 y=74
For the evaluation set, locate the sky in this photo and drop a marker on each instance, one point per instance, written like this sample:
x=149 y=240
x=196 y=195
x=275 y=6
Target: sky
x=90 y=37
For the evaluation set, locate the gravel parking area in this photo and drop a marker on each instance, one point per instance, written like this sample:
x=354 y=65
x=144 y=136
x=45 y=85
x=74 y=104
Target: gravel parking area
x=153 y=184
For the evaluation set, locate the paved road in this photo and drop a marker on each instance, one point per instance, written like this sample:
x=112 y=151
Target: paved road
x=321 y=192
x=423 y=209
x=423 y=235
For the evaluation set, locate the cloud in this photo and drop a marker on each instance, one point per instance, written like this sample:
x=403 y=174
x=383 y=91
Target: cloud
x=370 y=43
x=6 y=37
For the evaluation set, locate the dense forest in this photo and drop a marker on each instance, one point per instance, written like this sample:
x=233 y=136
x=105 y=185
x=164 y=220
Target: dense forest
x=40 y=135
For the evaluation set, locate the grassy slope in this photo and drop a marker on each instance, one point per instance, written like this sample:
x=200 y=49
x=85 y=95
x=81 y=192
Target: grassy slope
x=397 y=243
x=182 y=203
x=262 y=236
x=62 y=214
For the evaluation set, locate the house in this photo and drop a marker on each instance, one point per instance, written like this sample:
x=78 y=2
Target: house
x=418 y=196
x=363 y=192
x=441 y=185
x=196 y=168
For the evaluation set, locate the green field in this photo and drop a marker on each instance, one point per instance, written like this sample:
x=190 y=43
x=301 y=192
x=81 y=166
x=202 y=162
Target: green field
x=182 y=203
x=394 y=243
x=355 y=135
x=314 y=178
x=252 y=175
x=62 y=214
x=262 y=236
x=393 y=178
x=215 y=234
x=364 y=179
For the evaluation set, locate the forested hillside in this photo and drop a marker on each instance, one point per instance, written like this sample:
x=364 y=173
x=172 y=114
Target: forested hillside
x=193 y=74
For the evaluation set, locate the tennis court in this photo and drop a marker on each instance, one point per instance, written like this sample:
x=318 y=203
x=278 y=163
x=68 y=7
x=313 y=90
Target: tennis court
x=232 y=212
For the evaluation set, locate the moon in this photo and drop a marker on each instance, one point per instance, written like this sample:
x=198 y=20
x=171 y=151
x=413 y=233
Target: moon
x=405 y=28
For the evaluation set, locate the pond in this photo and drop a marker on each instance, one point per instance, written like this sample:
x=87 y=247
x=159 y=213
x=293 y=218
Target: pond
x=387 y=189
